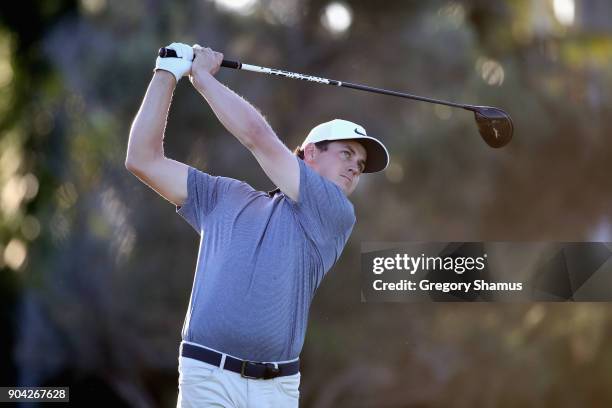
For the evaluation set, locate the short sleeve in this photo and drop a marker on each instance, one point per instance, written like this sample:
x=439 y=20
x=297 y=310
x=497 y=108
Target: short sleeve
x=204 y=193
x=324 y=210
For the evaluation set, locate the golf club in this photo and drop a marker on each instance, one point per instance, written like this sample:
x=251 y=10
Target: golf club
x=494 y=125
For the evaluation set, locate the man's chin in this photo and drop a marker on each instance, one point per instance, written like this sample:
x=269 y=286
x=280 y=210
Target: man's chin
x=346 y=187
x=342 y=183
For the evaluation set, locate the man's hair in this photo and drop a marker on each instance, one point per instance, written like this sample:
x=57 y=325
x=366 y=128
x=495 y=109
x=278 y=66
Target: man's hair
x=322 y=146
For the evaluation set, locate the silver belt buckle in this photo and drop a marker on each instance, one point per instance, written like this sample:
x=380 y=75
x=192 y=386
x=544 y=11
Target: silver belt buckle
x=243 y=369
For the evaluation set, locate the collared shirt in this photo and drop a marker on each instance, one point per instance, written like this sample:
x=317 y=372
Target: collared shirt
x=260 y=261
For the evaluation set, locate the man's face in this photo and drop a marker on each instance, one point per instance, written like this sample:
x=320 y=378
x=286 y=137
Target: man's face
x=342 y=162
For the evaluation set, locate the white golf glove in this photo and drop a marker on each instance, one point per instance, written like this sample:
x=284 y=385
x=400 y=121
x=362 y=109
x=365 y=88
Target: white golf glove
x=179 y=66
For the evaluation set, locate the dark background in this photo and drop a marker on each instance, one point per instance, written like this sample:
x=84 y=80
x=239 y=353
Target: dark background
x=96 y=268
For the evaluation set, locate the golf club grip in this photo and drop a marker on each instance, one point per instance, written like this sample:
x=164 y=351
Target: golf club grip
x=170 y=53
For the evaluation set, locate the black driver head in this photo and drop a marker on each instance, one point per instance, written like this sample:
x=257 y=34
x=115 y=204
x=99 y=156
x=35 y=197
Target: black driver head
x=495 y=125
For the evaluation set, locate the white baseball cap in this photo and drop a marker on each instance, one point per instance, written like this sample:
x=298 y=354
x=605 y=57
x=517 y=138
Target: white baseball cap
x=377 y=155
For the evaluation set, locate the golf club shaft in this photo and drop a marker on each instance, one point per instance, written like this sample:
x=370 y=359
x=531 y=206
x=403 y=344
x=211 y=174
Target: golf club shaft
x=333 y=82
x=166 y=52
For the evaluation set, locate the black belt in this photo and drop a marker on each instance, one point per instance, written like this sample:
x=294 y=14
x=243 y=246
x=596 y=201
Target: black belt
x=247 y=369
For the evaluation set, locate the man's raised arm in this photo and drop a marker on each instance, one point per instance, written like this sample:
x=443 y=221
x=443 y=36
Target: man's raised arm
x=243 y=121
x=145 y=154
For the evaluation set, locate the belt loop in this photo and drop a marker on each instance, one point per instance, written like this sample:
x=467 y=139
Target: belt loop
x=222 y=364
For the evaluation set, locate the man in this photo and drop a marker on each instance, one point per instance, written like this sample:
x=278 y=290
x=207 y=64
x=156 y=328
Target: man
x=262 y=255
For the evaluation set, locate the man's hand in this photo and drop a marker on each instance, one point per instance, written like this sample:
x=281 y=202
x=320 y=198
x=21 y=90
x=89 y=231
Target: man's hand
x=207 y=62
x=179 y=66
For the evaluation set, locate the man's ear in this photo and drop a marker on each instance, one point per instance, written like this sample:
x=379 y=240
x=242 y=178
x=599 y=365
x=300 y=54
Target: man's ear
x=310 y=151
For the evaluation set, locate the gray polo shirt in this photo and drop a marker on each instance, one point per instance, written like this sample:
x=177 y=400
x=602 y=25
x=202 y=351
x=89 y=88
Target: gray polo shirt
x=260 y=260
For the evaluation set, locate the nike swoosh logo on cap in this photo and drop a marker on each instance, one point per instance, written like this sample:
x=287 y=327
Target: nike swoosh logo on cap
x=359 y=133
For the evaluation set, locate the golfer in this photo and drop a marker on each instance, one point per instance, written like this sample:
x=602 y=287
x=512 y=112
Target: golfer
x=262 y=255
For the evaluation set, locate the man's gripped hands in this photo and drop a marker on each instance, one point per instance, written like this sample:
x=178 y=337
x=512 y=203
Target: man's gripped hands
x=196 y=61
x=206 y=63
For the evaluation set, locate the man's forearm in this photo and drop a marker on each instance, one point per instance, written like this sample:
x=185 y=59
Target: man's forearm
x=147 y=132
x=238 y=116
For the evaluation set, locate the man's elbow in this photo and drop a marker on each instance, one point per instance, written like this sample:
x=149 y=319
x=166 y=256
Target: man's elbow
x=137 y=159
x=130 y=165
x=131 y=161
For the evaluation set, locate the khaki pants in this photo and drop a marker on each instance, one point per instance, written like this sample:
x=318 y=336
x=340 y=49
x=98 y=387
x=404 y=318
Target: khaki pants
x=204 y=385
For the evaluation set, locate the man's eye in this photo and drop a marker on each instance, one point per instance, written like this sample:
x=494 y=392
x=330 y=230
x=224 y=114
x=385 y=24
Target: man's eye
x=345 y=153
